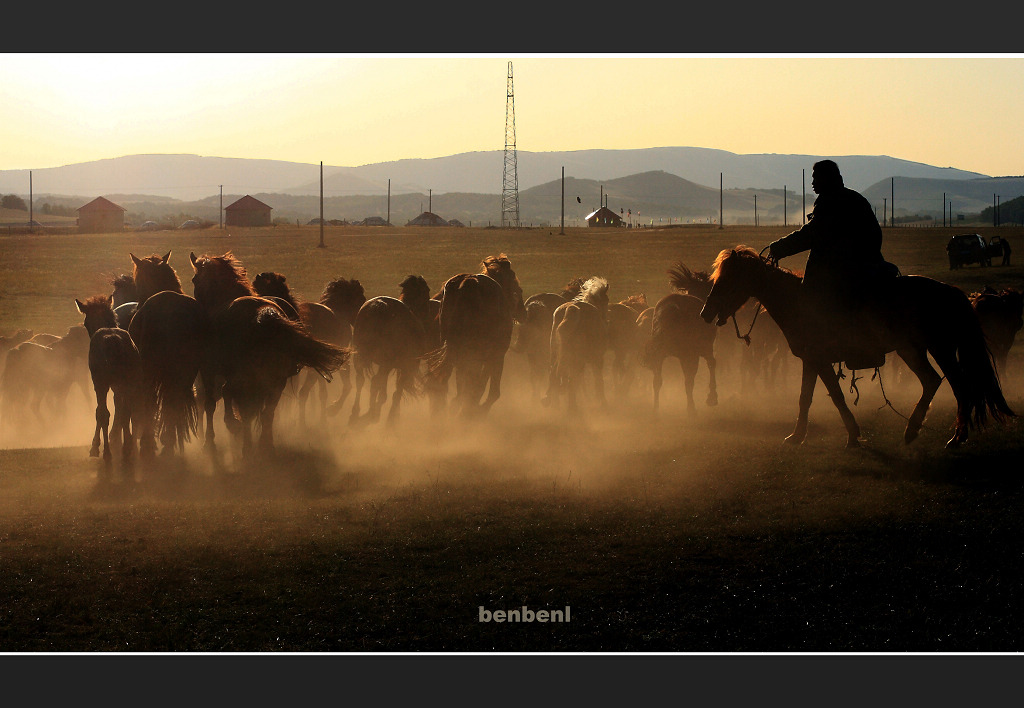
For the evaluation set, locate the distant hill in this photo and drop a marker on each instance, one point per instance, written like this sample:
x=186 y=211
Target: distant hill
x=194 y=177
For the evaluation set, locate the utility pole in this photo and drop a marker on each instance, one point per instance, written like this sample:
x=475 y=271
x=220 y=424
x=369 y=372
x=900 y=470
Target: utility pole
x=721 y=212
x=321 y=204
x=220 y=209
x=803 y=196
x=944 y=209
x=785 y=198
x=892 y=193
x=389 y=201
x=31 y=226
x=755 y=210
x=561 y=231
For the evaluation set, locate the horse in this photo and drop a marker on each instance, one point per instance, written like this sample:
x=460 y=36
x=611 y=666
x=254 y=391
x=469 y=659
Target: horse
x=344 y=297
x=389 y=336
x=171 y=332
x=579 y=338
x=254 y=349
x=1000 y=312
x=124 y=299
x=625 y=340
x=922 y=317
x=478 y=313
x=322 y=323
x=532 y=336
x=676 y=330
x=115 y=366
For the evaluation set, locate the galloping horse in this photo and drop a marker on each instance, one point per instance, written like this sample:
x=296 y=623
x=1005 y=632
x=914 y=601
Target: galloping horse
x=676 y=330
x=1000 y=313
x=344 y=297
x=625 y=340
x=171 y=333
x=579 y=339
x=532 y=336
x=254 y=349
x=115 y=366
x=922 y=316
x=478 y=312
x=322 y=323
x=390 y=335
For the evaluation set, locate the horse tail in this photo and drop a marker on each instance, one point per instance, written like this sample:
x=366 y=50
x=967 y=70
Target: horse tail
x=178 y=411
x=985 y=392
x=293 y=340
x=563 y=336
x=656 y=345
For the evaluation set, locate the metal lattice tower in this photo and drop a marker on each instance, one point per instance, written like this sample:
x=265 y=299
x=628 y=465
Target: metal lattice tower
x=510 y=181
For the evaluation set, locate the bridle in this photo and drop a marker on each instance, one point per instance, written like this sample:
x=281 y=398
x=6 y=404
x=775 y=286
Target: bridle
x=770 y=260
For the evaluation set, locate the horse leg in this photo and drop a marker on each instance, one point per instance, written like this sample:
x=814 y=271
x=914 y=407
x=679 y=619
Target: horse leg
x=712 y=399
x=378 y=392
x=356 y=403
x=831 y=380
x=266 y=416
x=492 y=374
x=102 y=420
x=346 y=388
x=689 y=365
x=657 y=370
x=808 y=380
x=402 y=377
x=945 y=357
x=917 y=361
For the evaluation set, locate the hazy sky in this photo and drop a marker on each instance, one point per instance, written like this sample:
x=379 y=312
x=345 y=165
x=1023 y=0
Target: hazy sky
x=960 y=111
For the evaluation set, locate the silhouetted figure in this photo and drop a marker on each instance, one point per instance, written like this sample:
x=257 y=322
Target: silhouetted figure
x=845 y=262
x=1006 y=251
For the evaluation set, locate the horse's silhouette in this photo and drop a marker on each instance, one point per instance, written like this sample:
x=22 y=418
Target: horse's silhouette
x=254 y=349
x=124 y=298
x=478 y=312
x=920 y=317
x=625 y=341
x=389 y=335
x=1000 y=312
x=532 y=336
x=344 y=296
x=116 y=367
x=579 y=339
x=322 y=323
x=171 y=332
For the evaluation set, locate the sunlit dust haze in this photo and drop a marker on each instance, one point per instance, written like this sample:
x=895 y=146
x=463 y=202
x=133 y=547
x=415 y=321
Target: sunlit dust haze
x=354 y=109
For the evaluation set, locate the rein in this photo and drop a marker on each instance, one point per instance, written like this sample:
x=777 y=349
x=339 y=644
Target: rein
x=746 y=337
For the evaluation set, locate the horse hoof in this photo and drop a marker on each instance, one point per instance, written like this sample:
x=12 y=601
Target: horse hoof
x=853 y=444
x=793 y=440
x=94 y=452
x=712 y=400
x=909 y=437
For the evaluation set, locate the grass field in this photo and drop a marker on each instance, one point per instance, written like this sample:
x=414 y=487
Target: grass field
x=668 y=533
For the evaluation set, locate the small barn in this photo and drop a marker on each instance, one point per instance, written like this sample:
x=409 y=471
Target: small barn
x=247 y=211
x=456 y=222
x=604 y=217
x=427 y=218
x=374 y=221
x=100 y=216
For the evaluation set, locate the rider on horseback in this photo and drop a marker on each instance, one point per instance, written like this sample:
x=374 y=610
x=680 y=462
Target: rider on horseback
x=845 y=242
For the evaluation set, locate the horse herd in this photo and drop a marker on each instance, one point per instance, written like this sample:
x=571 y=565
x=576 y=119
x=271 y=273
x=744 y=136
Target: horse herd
x=169 y=358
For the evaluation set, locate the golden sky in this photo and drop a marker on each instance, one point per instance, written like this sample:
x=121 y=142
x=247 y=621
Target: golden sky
x=960 y=111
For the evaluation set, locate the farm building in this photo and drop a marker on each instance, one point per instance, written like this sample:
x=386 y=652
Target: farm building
x=374 y=221
x=247 y=211
x=455 y=222
x=427 y=219
x=100 y=216
x=604 y=217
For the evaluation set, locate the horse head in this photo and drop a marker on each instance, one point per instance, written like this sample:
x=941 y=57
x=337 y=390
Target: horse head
x=500 y=269
x=218 y=280
x=98 y=313
x=414 y=290
x=733 y=280
x=153 y=274
x=124 y=291
x=595 y=292
x=344 y=297
x=270 y=284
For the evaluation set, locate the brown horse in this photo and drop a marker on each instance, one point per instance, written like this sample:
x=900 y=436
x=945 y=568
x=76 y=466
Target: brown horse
x=676 y=330
x=532 y=336
x=322 y=323
x=115 y=366
x=41 y=371
x=625 y=341
x=390 y=336
x=921 y=317
x=1000 y=312
x=254 y=349
x=579 y=339
x=171 y=332
x=344 y=297
x=478 y=313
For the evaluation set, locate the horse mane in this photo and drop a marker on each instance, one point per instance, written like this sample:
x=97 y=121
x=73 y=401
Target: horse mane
x=156 y=275
x=572 y=288
x=498 y=267
x=635 y=302
x=228 y=282
x=344 y=297
x=269 y=283
x=746 y=253
x=414 y=290
x=97 y=301
x=685 y=280
x=593 y=289
x=124 y=281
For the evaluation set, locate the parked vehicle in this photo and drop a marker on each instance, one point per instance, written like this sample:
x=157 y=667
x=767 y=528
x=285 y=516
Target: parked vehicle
x=968 y=248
